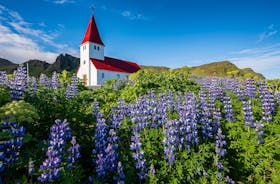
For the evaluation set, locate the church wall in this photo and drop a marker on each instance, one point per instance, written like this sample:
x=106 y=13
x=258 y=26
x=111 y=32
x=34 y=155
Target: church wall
x=104 y=75
x=96 y=51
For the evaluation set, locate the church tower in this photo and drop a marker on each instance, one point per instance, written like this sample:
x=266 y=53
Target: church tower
x=95 y=69
x=91 y=47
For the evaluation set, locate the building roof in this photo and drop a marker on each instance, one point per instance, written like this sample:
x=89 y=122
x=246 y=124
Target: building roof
x=92 y=34
x=115 y=65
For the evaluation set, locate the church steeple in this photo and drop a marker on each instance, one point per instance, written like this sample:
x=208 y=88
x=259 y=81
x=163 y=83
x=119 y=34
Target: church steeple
x=92 y=33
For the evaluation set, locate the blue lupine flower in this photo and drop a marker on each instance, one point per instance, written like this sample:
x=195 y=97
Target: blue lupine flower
x=9 y=149
x=60 y=133
x=44 y=81
x=72 y=89
x=55 y=83
x=18 y=84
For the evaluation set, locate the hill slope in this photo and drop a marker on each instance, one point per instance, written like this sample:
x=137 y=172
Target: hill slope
x=220 y=69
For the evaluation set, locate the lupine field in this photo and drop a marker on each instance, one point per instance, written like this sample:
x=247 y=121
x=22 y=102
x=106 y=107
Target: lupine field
x=153 y=128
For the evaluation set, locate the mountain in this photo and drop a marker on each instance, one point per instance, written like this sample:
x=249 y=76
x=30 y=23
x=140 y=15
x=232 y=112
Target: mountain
x=71 y=63
x=220 y=69
x=6 y=65
x=62 y=62
x=36 y=67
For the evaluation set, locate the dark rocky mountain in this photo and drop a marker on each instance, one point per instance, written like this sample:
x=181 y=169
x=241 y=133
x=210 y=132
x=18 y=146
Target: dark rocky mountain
x=62 y=62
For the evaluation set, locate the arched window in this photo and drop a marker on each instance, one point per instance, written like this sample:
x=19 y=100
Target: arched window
x=118 y=75
x=94 y=47
x=102 y=75
x=98 y=48
x=84 y=62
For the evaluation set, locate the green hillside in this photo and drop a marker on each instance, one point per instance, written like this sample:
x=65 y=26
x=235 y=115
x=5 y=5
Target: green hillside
x=220 y=69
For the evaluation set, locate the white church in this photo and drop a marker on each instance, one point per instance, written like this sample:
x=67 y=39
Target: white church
x=95 y=68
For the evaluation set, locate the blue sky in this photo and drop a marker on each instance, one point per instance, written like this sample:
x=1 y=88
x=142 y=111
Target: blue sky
x=170 y=33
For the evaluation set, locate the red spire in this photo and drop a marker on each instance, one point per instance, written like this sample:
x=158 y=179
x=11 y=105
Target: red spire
x=92 y=33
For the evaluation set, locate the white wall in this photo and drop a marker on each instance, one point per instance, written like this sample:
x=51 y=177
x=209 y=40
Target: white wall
x=109 y=75
x=94 y=52
x=89 y=50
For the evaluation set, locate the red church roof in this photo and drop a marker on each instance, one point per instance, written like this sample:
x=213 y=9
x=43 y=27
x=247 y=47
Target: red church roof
x=92 y=33
x=115 y=65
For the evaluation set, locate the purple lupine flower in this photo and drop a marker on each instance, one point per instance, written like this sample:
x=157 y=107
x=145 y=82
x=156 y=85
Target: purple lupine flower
x=220 y=151
x=74 y=152
x=152 y=170
x=260 y=132
x=170 y=140
x=72 y=89
x=250 y=88
x=188 y=122
x=18 y=84
x=138 y=155
x=55 y=83
x=32 y=84
x=44 y=80
x=278 y=97
x=100 y=142
x=248 y=114
x=120 y=174
x=9 y=149
x=3 y=78
x=60 y=133
x=229 y=115
x=229 y=180
x=267 y=101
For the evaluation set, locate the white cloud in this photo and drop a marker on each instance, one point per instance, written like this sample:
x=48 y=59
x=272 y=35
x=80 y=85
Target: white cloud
x=60 y=1
x=133 y=16
x=20 y=41
x=268 y=33
x=265 y=60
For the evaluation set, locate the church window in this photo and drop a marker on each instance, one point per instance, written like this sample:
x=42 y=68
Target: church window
x=94 y=47
x=102 y=75
x=97 y=47
x=118 y=75
x=84 y=62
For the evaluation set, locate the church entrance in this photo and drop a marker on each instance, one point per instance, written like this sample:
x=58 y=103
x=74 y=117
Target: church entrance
x=85 y=79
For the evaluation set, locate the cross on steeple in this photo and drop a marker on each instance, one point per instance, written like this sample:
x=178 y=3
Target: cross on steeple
x=92 y=9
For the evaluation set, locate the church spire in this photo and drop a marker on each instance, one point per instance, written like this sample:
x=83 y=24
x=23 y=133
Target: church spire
x=92 y=33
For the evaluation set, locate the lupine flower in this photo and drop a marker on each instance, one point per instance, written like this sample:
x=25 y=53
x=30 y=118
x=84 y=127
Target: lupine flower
x=278 y=97
x=44 y=81
x=250 y=88
x=152 y=170
x=229 y=115
x=18 y=84
x=9 y=149
x=267 y=101
x=138 y=155
x=259 y=130
x=100 y=142
x=31 y=166
x=55 y=83
x=220 y=151
x=60 y=133
x=188 y=122
x=32 y=84
x=72 y=89
x=205 y=117
x=74 y=152
x=120 y=174
x=248 y=114
x=3 y=78
x=229 y=180
x=170 y=140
